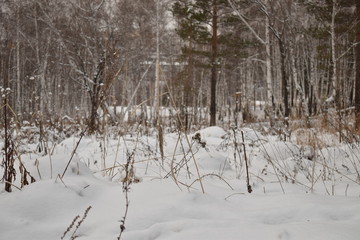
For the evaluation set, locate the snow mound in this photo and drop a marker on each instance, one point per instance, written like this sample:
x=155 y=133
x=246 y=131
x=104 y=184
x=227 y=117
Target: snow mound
x=278 y=150
x=250 y=135
x=173 y=206
x=212 y=132
x=212 y=161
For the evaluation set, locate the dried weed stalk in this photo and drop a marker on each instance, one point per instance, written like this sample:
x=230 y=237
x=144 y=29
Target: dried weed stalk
x=76 y=223
x=9 y=151
x=73 y=153
x=249 y=189
x=127 y=181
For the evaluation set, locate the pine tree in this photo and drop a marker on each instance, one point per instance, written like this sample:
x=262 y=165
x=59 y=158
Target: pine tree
x=194 y=19
x=214 y=39
x=357 y=80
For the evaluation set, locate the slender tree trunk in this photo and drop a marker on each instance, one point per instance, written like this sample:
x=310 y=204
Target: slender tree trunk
x=335 y=79
x=41 y=67
x=357 y=80
x=18 y=81
x=269 y=107
x=96 y=97
x=157 y=70
x=214 y=64
x=37 y=52
x=304 y=100
x=284 y=80
x=270 y=96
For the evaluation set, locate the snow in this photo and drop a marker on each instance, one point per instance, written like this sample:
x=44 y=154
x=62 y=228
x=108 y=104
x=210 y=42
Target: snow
x=161 y=206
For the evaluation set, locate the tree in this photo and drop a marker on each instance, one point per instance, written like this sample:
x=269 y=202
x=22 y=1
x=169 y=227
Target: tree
x=214 y=61
x=265 y=42
x=331 y=26
x=198 y=23
x=76 y=57
x=357 y=81
x=91 y=52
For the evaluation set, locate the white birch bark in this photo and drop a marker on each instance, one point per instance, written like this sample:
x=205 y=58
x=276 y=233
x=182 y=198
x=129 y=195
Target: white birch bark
x=18 y=75
x=157 y=69
x=334 y=95
x=269 y=102
x=266 y=43
x=298 y=87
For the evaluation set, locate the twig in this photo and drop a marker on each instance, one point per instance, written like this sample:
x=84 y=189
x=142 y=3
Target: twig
x=215 y=175
x=12 y=185
x=128 y=180
x=249 y=189
x=172 y=163
x=271 y=162
x=187 y=140
x=74 y=151
x=72 y=224
x=233 y=195
x=58 y=176
x=73 y=236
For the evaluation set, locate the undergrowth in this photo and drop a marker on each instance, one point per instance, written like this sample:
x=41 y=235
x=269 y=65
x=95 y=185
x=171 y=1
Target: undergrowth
x=315 y=157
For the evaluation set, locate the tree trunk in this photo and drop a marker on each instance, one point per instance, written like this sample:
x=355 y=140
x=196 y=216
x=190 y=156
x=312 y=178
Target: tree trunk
x=96 y=97
x=357 y=80
x=156 y=109
x=304 y=100
x=270 y=98
x=335 y=80
x=213 y=65
x=284 y=80
x=18 y=105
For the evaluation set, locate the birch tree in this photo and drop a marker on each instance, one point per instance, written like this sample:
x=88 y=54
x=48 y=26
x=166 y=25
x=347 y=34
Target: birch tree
x=265 y=41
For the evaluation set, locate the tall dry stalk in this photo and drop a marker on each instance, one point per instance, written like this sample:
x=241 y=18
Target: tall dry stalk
x=76 y=223
x=127 y=181
x=249 y=189
x=9 y=152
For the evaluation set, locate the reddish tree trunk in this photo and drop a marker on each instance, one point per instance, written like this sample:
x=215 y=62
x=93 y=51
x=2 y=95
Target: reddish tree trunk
x=213 y=66
x=357 y=80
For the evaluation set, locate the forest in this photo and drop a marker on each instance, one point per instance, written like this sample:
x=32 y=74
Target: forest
x=214 y=61
x=179 y=119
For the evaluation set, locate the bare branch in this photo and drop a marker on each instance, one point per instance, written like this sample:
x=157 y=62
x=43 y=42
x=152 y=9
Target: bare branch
x=246 y=23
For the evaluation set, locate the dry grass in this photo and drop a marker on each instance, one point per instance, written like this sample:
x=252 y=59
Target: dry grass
x=75 y=224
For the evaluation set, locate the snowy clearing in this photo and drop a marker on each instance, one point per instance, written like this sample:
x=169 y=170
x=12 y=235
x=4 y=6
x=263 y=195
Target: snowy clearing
x=298 y=192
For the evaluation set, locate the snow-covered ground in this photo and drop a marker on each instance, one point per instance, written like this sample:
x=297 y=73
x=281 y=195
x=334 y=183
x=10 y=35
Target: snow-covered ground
x=307 y=191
